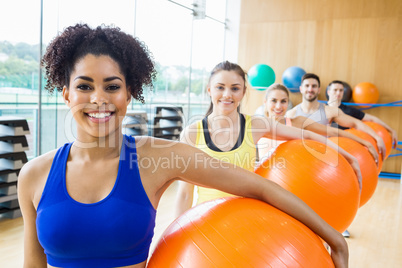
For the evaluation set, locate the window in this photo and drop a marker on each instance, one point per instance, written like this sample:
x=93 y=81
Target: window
x=185 y=50
x=19 y=61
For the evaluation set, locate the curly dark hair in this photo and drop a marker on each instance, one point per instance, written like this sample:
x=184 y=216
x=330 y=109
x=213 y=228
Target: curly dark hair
x=75 y=42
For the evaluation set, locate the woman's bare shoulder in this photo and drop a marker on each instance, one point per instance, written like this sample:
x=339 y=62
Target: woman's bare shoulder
x=37 y=168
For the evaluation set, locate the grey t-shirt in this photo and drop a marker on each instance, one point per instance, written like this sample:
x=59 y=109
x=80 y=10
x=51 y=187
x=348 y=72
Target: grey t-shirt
x=319 y=116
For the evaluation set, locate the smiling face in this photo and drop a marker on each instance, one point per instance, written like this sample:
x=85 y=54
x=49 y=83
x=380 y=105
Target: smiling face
x=226 y=89
x=276 y=103
x=310 y=89
x=97 y=96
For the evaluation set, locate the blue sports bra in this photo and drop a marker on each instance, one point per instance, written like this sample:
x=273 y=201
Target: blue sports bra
x=116 y=231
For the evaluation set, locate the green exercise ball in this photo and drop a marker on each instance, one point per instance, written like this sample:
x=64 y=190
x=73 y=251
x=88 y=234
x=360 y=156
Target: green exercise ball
x=261 y=76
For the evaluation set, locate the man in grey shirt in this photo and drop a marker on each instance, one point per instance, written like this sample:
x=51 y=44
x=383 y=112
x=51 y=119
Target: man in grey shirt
x=324 y=114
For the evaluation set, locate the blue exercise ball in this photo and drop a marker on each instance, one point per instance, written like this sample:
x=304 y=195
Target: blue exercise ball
x=261 y=76
x=292 y=77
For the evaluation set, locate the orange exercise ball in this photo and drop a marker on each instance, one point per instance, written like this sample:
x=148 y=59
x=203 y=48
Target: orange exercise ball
x=365 y=92
x=383 y=133
x=238 y=232
x=367 y=137
x=318 y=175
x=367 y=164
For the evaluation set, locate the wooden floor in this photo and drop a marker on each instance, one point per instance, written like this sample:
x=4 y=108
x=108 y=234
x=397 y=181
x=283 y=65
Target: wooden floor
x=376 y=233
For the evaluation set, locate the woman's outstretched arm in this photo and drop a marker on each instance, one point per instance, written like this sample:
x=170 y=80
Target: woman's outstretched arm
x=308 y=124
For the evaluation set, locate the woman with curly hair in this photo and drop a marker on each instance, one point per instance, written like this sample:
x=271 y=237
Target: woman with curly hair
x=91 y=203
